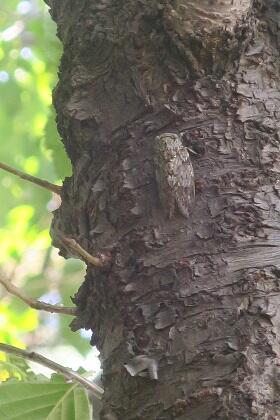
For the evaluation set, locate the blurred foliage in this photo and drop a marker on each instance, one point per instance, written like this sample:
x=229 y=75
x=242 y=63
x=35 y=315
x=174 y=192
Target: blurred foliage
x=29 y=57
x=39 y=398
x=14 y=367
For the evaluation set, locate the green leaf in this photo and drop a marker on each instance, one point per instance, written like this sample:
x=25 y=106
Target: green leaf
x=16 y=367
x=43 y=400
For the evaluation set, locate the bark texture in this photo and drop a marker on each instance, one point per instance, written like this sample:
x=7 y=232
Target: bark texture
x=197 y=299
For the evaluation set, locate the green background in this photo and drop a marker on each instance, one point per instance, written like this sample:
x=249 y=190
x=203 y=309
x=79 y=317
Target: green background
x=29 y=59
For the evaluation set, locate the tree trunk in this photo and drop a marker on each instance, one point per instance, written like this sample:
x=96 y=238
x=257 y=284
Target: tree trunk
x=190 y=303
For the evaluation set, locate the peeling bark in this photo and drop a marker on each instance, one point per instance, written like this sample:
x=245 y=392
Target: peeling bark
x=197 y=297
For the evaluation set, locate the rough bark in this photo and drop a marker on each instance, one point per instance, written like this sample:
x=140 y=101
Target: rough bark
x=198 y=296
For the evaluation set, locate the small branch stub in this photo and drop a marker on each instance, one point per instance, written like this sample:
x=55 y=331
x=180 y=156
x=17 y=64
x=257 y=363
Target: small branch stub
x=97 y=261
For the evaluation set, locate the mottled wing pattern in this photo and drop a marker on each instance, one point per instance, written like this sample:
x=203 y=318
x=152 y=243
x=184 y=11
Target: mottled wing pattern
x=182 y=181
x=174 y=174
x=164 y=187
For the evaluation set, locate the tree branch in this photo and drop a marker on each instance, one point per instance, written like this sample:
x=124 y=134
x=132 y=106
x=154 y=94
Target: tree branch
x=36 y=304
x=85 y=256
x=96 y=390
x=40 y=182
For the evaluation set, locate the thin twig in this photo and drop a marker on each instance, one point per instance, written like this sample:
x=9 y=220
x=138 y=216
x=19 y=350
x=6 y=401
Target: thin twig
x=69 y=374
x=36 y=304
x=85 y=256
x=38 y=181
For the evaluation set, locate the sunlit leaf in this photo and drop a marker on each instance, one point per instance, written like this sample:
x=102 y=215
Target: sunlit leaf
x=14 y=367
x=31 y=165
x=17 y=316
